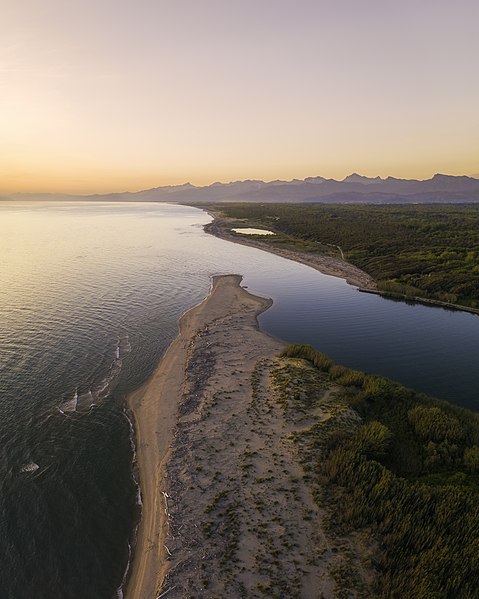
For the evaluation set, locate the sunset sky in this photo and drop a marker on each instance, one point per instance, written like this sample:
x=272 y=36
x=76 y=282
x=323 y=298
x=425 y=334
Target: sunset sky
x=110 y=95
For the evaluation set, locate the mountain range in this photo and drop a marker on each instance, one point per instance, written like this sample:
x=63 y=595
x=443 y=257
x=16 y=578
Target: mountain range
x=353 y=189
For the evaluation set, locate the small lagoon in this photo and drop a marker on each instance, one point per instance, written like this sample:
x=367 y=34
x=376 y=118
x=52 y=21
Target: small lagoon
x=251 y=231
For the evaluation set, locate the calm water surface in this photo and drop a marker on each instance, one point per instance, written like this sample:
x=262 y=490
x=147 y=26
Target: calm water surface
x=89 y=300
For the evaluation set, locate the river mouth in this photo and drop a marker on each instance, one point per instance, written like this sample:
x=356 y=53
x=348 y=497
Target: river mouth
x=88 y=287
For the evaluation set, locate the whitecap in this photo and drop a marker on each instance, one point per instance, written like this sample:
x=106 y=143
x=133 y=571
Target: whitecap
x=124 y=346
x=71 y=404
x=119 y=592
x=85 y=401
x=100 y=388
x=31 y=467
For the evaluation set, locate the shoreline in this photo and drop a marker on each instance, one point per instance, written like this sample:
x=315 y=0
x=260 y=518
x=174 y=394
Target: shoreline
x=416 y=299
x=152 y=451
x=154 y=408
x=324 y=264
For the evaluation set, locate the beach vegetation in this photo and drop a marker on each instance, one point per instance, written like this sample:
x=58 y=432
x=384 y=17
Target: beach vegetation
x=400 y=468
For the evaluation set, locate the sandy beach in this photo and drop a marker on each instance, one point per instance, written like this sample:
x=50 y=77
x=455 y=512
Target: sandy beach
x=227 y=507
x=155 y=408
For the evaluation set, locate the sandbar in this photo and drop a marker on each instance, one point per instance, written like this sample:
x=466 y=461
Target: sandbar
x=228 y=509
x=154 y=408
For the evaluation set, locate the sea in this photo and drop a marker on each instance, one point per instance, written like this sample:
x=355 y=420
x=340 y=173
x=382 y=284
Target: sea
x=90 y=297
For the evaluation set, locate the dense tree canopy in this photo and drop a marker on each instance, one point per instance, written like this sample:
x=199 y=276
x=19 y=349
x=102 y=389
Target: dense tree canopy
x=430 y=251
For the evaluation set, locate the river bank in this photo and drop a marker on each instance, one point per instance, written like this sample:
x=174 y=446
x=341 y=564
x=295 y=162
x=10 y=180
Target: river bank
x=328 y=265
x=221 y=227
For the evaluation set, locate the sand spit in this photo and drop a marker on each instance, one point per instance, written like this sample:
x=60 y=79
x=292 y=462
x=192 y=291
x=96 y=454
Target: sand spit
x=155 y=411
x=227 y=508
x=328 y=265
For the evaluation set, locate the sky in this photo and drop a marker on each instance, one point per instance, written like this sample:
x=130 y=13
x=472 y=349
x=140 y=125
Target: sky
x=115 y=95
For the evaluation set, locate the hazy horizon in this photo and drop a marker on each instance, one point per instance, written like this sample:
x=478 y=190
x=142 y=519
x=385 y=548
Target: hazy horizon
x=218 y=182
x=109 y=97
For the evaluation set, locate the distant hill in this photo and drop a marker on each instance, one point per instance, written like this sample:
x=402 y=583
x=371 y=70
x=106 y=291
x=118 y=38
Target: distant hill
x=353 y=189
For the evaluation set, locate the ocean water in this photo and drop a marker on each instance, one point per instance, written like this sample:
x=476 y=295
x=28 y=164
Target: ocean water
x=90 y=296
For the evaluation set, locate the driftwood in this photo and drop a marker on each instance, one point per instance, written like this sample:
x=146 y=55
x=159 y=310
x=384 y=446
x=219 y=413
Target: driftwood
x=166 y=592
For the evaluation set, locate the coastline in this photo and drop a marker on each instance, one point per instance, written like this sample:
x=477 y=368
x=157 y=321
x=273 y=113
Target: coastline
x=324 y=264
x=420 y=300
x=153 y=423
x=155 y=410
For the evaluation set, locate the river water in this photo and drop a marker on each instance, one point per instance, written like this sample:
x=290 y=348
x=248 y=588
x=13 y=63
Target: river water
x=90 y=296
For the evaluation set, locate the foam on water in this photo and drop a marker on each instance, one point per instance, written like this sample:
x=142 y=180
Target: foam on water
x=139 y=502
x=124 y=346
x=71 y=404
x=85 y=401
x=102 y=387
x=31 y=467
x=119 y=591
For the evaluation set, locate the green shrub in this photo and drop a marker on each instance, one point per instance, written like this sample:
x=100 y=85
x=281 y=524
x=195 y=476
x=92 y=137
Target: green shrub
x=471 y=458
x=308 y=352
x=433 y=424
x=374 y=439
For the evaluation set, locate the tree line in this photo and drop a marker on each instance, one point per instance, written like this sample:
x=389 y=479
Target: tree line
x=430 y=251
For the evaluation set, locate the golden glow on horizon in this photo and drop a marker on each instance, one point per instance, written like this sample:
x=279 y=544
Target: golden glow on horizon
x=116 y=97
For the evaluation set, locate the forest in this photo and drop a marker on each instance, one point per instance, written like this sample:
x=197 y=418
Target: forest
x=404 y=471
x=427 y=251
